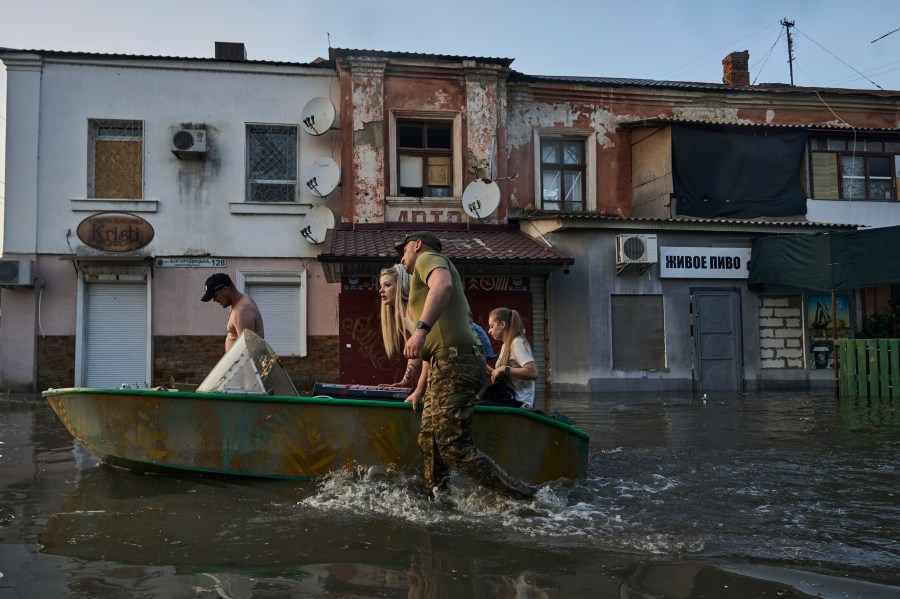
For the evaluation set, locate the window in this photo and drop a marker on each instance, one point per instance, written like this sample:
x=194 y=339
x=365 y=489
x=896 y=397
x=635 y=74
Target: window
x=854 y=169
x=562 y=174
x=638 y=332
x=281 y=298
x=271 y=163
x=115 y=159
x=425 y=158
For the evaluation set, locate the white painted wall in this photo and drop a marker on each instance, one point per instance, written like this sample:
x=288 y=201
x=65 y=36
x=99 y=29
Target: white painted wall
x=863 y=213
x=194 y=210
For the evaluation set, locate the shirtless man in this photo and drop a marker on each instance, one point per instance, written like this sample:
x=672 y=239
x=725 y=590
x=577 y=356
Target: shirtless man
x=243 y=314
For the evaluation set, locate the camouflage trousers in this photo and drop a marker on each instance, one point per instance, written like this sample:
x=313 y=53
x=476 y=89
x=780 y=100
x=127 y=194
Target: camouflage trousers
x=446 y=433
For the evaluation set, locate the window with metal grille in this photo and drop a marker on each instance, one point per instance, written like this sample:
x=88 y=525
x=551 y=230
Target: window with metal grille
x=425 y=158
x=855 y=169
x=115 y=159
x=271 y=163
x=638 y=332
x=562 y=174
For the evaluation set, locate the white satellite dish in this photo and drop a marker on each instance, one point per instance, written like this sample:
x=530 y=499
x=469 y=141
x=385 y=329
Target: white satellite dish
x=318 y=116
x=316 y=222
x=322 y=177
x=481 y=198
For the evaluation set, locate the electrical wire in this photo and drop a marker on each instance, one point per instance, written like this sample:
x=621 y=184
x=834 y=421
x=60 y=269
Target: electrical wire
x=838 y=59
x=766 y=57
x=687 y=66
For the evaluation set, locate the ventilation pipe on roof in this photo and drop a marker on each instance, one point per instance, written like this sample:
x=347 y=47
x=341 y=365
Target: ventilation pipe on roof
x=234 y=51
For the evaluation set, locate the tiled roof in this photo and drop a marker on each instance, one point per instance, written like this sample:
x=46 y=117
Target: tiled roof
x=597 y=220
x=480 y=252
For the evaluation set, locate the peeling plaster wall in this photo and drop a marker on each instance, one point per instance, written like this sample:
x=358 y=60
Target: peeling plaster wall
x=367 y=158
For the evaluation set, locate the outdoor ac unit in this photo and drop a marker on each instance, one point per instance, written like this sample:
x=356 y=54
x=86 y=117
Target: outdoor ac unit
x=189 y=143
x=636 y=249
x=15 y=273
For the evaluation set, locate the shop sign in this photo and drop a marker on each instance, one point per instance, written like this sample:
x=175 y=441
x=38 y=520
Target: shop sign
x=704 y=263
x=115 y=232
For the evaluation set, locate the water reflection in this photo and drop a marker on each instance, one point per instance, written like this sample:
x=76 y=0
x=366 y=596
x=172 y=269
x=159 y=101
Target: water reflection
x=740 y=496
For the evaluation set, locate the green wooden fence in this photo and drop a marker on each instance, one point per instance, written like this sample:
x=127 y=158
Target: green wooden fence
x=869 y=368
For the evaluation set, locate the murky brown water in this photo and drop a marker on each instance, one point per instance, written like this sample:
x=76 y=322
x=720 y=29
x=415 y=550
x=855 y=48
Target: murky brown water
x=755 y=495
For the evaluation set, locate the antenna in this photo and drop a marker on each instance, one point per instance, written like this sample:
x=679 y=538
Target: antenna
x=318 y=116
x=790 y=42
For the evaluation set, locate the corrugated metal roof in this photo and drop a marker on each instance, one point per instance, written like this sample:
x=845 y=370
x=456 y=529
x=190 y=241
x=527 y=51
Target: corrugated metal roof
x=591 y=220
x=318 y=63
x=831 y=126
x=334 y=53
x=767 y=88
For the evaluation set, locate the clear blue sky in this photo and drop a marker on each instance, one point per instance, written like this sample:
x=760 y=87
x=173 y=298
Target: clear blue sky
x=683 y=40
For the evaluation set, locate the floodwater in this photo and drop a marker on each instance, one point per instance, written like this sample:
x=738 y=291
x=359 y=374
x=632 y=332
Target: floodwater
x=754 y=495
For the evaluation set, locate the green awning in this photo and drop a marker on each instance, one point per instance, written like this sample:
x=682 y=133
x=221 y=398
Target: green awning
x=827 y=261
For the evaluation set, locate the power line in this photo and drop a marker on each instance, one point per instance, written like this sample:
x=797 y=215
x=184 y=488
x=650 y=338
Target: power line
x=766 y=57
x=885 y=35
x=839 y=59
x=687 y=66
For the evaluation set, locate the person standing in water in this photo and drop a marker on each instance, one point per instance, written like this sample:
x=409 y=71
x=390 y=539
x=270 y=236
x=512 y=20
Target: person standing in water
x=443 y=337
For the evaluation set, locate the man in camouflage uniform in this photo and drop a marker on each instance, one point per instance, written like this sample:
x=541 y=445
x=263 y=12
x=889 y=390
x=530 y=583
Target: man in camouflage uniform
x=444 y=338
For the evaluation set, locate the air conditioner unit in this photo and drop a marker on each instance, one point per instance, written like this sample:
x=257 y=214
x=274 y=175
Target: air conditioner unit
x=16 y=273
x=636 y=249
x=189 y=143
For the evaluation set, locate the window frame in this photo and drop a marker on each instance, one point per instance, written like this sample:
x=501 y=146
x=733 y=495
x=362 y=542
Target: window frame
x=94 y=136
x=854 y=148
x=454 y=119
x=249 y=129
x=589 y=178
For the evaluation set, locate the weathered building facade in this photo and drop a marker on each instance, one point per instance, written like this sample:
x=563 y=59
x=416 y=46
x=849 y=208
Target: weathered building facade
x=622 y=230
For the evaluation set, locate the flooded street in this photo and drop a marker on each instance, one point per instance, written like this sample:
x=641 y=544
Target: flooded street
x=781 y=495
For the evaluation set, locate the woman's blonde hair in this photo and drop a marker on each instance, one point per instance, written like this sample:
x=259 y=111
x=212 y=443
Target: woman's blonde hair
x=514 y=328
x=393 y=317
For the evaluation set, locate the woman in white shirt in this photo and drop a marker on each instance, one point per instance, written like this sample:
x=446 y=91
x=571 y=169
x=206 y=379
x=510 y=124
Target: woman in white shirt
x=515 y=367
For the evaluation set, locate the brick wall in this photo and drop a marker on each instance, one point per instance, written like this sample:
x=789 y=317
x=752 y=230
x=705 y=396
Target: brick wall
x=189 y=360
x=55 y=362
x=781 y=331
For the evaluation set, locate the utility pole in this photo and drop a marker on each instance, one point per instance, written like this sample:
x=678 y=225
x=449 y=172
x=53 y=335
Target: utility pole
x=787 y=25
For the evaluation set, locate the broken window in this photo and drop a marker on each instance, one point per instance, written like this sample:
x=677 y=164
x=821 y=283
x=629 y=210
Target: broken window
x=115 y=159
x=562 y=174
x=425 y=158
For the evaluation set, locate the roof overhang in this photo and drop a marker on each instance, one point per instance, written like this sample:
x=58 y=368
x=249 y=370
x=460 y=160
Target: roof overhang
x=348 y=252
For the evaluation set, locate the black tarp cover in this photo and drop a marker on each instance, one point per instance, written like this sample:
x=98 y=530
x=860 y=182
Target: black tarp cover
x=827 y=261
x=737 y=172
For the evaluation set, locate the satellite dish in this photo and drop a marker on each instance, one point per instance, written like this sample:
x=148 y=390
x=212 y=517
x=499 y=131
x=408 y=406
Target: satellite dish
x=322 y=177
x=316 y=222
x=481 y=198
x=318 y=116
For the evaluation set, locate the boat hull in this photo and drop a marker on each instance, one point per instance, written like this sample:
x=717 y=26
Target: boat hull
x=296 y=437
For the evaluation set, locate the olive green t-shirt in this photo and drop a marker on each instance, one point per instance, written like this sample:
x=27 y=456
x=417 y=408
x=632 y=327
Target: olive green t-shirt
x=452 y=328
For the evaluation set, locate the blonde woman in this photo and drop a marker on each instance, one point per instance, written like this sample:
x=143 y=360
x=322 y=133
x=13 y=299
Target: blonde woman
x=515 y=367
x=395 y=323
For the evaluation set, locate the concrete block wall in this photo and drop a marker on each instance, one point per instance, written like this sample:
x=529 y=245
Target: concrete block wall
x=781 y=331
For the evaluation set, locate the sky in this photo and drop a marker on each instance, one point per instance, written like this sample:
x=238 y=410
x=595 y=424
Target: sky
x=679 y=40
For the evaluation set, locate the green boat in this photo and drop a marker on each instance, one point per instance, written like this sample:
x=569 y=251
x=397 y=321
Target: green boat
x=246 y=419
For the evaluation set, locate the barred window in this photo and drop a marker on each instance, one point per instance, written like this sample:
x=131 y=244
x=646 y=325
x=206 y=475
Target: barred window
x=115 y=159
x=271 y=163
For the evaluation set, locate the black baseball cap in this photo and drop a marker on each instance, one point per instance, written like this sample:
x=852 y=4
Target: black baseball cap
x=427 y=237
x=214 y=283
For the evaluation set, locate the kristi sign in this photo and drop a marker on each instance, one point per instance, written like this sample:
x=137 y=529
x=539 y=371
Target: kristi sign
x=704 y=263
x=115 y=232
